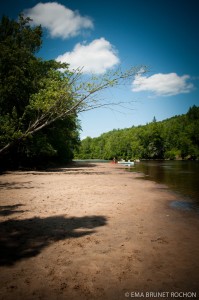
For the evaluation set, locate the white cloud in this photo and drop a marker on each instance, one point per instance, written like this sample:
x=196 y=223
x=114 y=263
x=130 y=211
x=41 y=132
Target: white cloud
x=58 y=19
x=162 y=84
x=96 y=57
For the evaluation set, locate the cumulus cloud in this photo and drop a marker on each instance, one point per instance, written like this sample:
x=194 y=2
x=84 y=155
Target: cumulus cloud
x=162 y=84
x=58 y=19
x=96 y=57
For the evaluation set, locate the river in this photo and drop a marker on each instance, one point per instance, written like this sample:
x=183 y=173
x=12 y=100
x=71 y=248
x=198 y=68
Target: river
x=180 y=176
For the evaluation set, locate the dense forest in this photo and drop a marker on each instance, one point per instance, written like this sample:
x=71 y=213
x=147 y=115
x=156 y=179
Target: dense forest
x=174 y=138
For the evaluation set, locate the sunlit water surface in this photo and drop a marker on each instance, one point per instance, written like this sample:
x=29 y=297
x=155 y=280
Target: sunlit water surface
x=180 y=176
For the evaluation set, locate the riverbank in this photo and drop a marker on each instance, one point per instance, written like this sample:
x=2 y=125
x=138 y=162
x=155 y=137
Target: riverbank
x=93 y=231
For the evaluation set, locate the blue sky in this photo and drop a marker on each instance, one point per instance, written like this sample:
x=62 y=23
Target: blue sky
x=101 y=35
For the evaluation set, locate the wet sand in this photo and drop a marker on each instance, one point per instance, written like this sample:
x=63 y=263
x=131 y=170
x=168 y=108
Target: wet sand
x=94 y=231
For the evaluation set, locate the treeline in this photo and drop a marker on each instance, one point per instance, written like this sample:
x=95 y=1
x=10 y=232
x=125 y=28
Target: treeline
x=174 y=138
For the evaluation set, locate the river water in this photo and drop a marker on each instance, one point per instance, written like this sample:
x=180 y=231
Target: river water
x=180 y=176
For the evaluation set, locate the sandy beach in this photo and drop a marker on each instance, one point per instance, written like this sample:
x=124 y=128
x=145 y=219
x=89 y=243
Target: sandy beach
x=94 y=231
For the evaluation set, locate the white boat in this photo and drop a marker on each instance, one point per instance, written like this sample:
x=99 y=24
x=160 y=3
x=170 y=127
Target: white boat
x=126 y=163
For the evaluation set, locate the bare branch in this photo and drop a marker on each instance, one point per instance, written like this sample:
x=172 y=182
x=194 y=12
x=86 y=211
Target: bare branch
x=74 y=95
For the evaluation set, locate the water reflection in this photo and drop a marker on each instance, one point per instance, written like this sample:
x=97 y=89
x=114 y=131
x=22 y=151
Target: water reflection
x=184 y=205
x=181 y=176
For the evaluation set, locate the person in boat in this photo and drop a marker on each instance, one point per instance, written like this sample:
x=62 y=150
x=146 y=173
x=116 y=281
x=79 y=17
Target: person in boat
x=114 y=160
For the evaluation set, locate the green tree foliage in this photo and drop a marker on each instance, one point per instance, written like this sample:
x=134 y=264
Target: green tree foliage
x=174 y=138
x=29 y=89
x=19 y=67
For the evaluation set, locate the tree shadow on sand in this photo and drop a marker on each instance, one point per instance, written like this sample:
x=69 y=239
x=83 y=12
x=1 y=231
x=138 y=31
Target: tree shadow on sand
x=15 y=185
x=22 y=239
x=8 y=210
